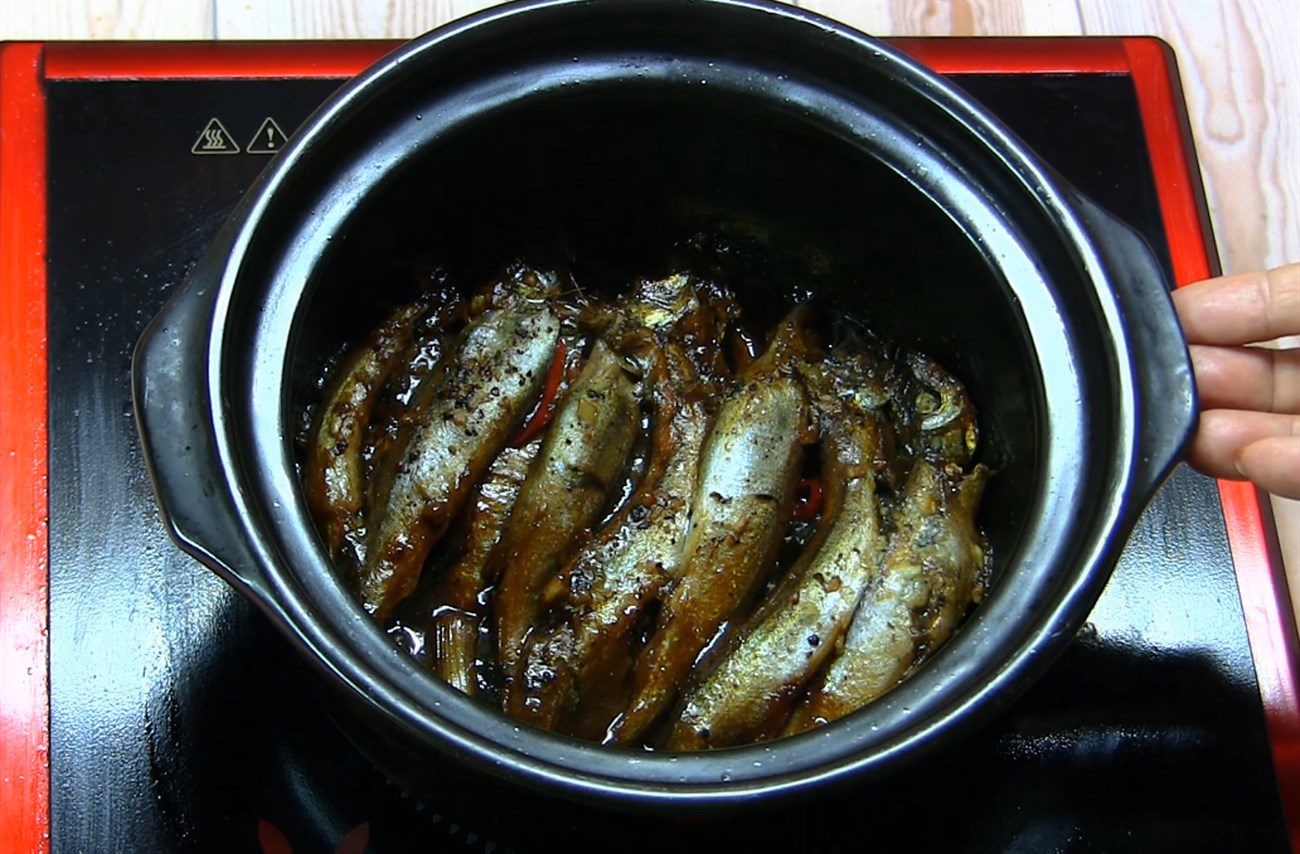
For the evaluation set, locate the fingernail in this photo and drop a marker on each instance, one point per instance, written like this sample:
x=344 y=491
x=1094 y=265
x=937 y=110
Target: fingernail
x=1236 y=463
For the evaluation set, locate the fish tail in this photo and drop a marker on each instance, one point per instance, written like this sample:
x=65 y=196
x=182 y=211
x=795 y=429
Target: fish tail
x=455 y=643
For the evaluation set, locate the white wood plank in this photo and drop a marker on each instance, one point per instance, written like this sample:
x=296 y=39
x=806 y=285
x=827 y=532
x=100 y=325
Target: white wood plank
x=1240 y=64
x=336 y=19
x=40 y=20
x=955 y=18
x=871 y=16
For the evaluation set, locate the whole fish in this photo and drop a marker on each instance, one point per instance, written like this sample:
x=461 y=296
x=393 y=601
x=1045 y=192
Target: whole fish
x=569 y=485
x=460 y=419
x=416 y=363
x=457 y=609
x=748 y=696
x=616 y=575
x=748 y=470
x=931 y=575
x=336 y=487
x=672 y=329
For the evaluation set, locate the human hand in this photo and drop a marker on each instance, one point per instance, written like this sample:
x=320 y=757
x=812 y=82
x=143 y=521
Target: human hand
x=1250 y=396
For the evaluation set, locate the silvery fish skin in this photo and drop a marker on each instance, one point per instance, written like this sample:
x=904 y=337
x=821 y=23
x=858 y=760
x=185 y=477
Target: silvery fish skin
x=457 y=607
x=671 y=329
x=748 y=696
x=748 y=471
x=931 y=575
x=625 y=566
x=461 y=418
x=336 y=487
x=418 y=361
x=583 y=453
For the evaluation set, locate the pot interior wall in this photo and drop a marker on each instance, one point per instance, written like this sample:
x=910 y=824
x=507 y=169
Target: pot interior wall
x=616 y=188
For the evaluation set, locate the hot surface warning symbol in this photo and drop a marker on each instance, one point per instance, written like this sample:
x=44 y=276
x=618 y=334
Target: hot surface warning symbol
x=268 y=140
x=215 y=139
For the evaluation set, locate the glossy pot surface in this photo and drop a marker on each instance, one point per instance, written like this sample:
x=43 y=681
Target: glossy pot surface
x=820 y=160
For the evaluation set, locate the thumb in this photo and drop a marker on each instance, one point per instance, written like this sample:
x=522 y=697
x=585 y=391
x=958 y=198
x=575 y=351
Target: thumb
x=1273 y=464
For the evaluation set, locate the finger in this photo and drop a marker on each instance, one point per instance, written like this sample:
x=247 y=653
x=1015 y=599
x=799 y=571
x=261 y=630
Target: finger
x=1223 y=433
x=1247 y=378
x=1273 y=464
x=1241 y=309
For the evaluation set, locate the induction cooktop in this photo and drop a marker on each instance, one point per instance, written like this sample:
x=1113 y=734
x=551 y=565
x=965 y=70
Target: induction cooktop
x=144 y=706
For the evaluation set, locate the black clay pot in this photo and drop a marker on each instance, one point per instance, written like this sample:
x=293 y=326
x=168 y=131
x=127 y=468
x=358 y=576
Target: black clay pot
x=821 y=159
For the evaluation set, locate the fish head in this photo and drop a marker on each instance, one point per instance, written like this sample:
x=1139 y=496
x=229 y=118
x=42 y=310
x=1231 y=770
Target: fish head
x=518 y=286
x=661 y=304
x=940 y=411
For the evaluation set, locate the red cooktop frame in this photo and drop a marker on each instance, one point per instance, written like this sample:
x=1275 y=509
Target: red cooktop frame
x=24 y=682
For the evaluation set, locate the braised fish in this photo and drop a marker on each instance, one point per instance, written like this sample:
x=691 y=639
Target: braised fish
x=460 y=419
x=930 y=576
x=568 y=487
x=458 y=609
x=748 y=696
x=336 y=485
x=622 y=570
x=748 y=470
x=624 y=533
x=942 y=419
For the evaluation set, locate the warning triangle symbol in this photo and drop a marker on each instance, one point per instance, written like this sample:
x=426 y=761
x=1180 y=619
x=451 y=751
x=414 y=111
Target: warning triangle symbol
x=268 y=140
x=215 y=139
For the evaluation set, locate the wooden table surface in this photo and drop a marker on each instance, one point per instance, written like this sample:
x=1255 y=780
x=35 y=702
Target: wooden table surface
x=1240 y=64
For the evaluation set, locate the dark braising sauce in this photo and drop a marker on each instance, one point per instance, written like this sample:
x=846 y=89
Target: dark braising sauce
x=649 y=516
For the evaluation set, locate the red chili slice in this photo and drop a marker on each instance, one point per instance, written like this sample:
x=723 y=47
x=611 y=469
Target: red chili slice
x=546 y=406
x=808 y=500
